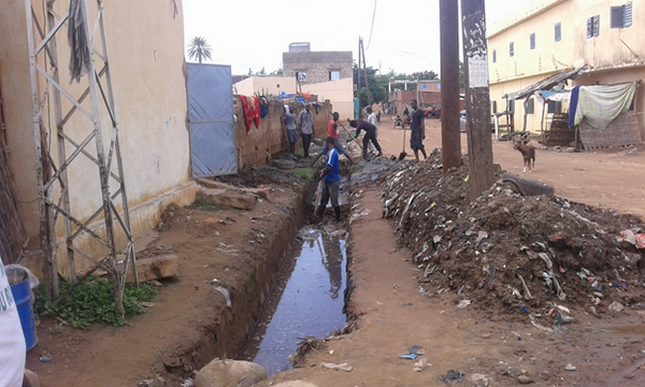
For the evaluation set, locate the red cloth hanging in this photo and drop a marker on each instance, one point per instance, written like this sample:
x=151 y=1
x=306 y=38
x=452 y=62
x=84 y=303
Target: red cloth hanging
x=251 y=109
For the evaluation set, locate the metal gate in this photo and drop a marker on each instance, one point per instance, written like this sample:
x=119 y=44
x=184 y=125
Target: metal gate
x=210 y=115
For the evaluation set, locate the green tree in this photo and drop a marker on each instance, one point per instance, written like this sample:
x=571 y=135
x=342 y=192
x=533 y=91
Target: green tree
x=199 y=49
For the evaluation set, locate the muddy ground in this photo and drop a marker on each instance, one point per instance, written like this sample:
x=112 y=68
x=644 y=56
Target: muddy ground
x=394 y=306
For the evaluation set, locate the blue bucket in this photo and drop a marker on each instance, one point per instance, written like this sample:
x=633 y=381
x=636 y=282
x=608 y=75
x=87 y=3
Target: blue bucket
x=23 y=297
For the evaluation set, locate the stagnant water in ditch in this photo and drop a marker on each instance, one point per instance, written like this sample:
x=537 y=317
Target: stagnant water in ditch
x=307 y=299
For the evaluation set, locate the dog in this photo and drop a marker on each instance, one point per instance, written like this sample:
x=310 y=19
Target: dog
x=528 y=154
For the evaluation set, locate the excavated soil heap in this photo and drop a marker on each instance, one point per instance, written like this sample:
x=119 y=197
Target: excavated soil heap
x=566 y=253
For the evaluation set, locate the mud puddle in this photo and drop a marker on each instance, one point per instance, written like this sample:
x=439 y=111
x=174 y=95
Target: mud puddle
x=306 y=300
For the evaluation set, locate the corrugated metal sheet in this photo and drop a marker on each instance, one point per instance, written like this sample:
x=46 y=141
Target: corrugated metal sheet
x=210 y=114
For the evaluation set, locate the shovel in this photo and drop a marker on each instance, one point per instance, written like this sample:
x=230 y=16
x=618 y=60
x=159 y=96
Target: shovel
x=403 y=155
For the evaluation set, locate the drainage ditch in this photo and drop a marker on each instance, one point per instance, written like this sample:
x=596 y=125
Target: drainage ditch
x=306 y=299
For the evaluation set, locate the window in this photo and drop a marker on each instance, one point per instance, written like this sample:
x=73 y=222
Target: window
x=494 y=56
x=530 y=106
x=558 y=32
x=593 y=26
x=494 y=107
x=621 y=16
x=532 y=39
x=554 y=107
x=334 y=75
x=511 y=49
x=301 y=77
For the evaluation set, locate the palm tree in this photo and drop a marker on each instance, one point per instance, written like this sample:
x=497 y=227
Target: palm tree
x=199 y=49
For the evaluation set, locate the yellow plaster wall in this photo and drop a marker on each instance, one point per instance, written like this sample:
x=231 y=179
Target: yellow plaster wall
x=146 y=48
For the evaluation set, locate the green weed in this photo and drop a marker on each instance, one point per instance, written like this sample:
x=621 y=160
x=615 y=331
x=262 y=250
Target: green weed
x=304 y=173
x=93 y=302
x=202 y=204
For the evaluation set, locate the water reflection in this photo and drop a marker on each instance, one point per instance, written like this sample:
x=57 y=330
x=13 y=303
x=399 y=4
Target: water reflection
x=303 y=302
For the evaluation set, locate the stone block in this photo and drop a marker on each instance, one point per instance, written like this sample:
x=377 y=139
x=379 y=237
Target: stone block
x=230 y=373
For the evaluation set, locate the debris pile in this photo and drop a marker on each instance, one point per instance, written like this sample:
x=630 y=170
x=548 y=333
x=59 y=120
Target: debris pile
x=507 y=252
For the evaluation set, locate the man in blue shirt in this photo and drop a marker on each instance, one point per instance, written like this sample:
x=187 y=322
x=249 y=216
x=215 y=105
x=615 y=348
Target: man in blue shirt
x=331 y=175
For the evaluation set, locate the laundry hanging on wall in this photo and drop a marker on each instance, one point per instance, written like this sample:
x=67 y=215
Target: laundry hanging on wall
x=251 y=109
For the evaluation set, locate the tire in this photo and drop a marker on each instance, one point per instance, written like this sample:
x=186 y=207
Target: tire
x=285 y=165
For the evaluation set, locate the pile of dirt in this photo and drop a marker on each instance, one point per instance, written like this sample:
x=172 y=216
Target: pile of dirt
x=508 y=253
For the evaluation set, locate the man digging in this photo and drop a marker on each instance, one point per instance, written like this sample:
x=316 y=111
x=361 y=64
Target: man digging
x=331 y=176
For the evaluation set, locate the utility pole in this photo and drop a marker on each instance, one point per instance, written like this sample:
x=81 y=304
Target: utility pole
x=367 y=85
x=480 y=144
x=450 y=132
x=358 y=73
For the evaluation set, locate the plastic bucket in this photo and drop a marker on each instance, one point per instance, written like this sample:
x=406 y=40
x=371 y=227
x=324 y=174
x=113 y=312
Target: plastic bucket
x=23 y=297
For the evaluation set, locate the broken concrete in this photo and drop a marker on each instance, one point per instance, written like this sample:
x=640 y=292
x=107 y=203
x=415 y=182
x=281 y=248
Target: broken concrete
x=156 y=268
x=230 y=373
x=227 y=198
x=262 y=193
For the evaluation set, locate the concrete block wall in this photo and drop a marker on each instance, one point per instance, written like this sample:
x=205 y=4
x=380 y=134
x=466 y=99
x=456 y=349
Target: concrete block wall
x=271 y=137
x=317 y=65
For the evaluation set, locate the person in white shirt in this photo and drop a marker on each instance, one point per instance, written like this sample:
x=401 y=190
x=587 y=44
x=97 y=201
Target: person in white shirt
x=13 y=350
x=372 y=119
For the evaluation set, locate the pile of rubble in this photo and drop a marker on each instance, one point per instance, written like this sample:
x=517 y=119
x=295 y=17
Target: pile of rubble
x=509 y=252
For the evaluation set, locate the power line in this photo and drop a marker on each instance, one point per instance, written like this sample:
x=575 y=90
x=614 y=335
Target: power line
x=372 y=28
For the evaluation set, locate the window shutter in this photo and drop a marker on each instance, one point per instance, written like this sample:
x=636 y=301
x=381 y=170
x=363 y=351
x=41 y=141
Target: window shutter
x=616 y=14
x=532 y=38
x=494 y=56
x=589 y=28
x=627 y=15
x=511 y=49
x=596 y=25
x=558 y=32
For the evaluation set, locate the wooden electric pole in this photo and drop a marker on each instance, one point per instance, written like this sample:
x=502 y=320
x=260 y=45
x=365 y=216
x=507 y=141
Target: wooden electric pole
x=367 y=85
x=450 y=131
x=480 y=144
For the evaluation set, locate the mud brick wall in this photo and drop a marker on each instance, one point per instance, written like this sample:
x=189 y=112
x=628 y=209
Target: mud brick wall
x=271 y=137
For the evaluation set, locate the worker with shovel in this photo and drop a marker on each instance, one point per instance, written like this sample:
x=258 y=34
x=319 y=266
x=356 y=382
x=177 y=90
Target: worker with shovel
x=370 y=135
x=332 y=131
x=331 y=177
x=418 y=131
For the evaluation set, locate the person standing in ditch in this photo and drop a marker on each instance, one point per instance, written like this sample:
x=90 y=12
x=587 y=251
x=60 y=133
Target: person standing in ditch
x=418 y=131
x=306 y=125
x=292 y=132
x=332 y=131
x=331 y=176
x=370 y=135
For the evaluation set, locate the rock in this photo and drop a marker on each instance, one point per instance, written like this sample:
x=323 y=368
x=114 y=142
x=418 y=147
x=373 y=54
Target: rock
x=263 y=193
x=156 y=268
x=230 y=373
x=32 y=378
x=616 y=307
x=523 y=379
x=343 y=366
x=571 y=149
x=295 y=383
x=226 y=198
x=570 y=367
x=156 y=284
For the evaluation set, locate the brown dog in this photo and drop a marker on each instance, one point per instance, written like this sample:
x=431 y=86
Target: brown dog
x=528 y=153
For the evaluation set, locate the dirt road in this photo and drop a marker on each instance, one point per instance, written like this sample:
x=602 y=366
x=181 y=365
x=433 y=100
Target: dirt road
x=395 y=314
x=608 y=178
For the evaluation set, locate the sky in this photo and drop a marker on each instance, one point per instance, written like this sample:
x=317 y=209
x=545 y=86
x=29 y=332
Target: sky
x=254 y=33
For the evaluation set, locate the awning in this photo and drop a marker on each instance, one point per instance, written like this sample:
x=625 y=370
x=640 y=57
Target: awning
x=547 y=83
